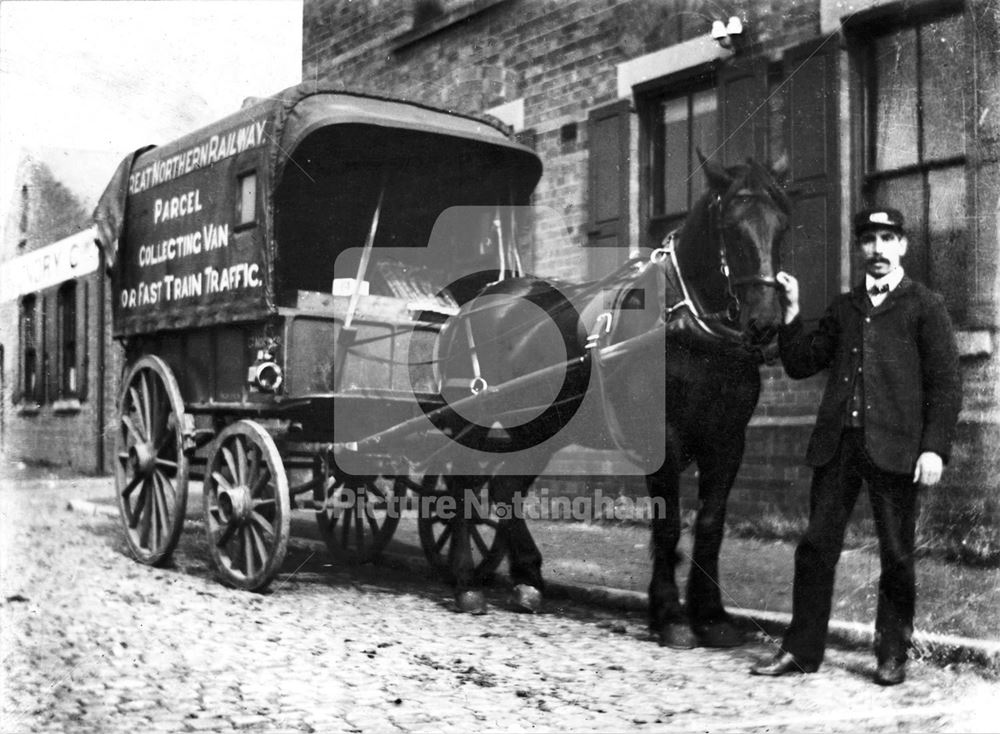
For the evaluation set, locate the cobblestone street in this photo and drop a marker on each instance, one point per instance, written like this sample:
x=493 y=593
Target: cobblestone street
x=93 y=642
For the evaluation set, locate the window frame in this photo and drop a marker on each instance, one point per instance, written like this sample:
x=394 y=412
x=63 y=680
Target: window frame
x=67 y=335
x=871 y=180
x=28 y=369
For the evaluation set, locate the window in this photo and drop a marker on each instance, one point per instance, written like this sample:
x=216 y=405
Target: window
x=759 y=107
x=917 y=104
x=66 y=315
x=29 y=349
x=246 y=204
x=681 y=125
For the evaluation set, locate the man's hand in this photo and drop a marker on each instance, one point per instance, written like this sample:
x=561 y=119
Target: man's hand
x=928 y=470
x=789 y=295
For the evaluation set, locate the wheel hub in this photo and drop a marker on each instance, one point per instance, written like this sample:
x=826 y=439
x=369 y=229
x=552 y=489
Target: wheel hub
x=235 y=504
x=142 y=458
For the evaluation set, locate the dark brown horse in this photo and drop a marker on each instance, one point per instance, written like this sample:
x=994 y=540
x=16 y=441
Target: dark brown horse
x=708 y=299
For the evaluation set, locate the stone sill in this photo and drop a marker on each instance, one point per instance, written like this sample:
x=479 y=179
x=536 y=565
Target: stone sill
x=29 y=410
x=443 y=21
x=66 y=407
x=974 y=343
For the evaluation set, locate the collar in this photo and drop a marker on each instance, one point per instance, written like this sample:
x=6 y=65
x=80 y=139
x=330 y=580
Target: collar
x=892 y=279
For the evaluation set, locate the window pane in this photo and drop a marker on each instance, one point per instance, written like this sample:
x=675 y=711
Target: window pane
x=248 y=199
x=675 y=155
x=704 y=132
x=895 y=128
x=945 y=87
x=906 y=193
x=946 y=232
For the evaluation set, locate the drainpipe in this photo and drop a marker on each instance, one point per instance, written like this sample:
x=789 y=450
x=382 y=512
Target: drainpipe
x=100 y=369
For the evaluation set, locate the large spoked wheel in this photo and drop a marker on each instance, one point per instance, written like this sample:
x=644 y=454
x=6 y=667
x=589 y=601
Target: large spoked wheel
x=356 y=515
x=151 y=469
x=456 y=519
x=247 y=511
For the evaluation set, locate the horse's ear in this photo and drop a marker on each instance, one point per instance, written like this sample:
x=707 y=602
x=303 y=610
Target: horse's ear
x=779 y=169
x=717 y=177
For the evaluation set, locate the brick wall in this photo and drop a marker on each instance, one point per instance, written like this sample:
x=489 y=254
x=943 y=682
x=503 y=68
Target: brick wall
x=561 y=58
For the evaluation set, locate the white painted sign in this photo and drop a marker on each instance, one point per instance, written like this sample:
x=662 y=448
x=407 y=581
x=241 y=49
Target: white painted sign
x=64 y=260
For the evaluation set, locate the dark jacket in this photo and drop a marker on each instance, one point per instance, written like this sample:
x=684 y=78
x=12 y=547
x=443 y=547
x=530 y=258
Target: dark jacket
x=906 y=350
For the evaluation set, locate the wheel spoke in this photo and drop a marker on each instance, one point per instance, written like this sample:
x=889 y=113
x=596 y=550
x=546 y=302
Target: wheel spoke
x=241 y=461
x=222 y=481
x=159 y=512
x=254 y=475
x=147 y=510
x=132 y=429
x=477 y=538
x=230 y=462
x=133 y=483
x=248 y=565
x=135 y=513
x=260 y=547
x=166 y=464
x=261 y=481
x=443 y=538
x=146 y=407
x=373 y=525
x=226 y=534
x=263 y=523
x=137 y=409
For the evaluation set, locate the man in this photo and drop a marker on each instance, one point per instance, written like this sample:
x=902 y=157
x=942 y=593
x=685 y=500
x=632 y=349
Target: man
x=887 y=417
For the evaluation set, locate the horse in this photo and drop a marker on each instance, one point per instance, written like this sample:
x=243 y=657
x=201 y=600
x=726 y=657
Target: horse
x=716 y=310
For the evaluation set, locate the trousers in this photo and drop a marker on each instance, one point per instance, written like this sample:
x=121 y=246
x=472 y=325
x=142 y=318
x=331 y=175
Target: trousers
x=834 y=491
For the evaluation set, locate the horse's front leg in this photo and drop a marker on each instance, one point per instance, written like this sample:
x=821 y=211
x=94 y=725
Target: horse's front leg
x=524 y=557
x=716 y=475
x=667 y=619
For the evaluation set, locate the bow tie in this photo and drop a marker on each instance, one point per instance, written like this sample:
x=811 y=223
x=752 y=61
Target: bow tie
x=877 y=290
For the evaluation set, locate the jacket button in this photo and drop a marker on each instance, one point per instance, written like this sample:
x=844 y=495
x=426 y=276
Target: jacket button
x=854 y=350
x=868 y=319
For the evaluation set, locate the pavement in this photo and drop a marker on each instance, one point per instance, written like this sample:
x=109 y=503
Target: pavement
x=94 y=642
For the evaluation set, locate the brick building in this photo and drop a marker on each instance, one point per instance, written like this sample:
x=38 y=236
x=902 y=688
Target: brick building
x=58 y=365
x=871 y=100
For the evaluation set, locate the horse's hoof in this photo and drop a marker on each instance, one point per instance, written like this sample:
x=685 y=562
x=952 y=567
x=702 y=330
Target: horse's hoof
x=719 y=634
x=472 y=601
x=527 y=598
x=677 y=635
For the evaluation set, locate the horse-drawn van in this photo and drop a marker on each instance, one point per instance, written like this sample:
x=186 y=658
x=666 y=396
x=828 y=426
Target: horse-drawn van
x=249 y=304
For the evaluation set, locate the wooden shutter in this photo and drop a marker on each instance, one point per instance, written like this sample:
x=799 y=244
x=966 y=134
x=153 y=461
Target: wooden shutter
x=608 y=160
x=811 y=250
x=743 y=106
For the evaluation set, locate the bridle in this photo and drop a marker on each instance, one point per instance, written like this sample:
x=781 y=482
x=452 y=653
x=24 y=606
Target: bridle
x=733 y=304
x=715 y=325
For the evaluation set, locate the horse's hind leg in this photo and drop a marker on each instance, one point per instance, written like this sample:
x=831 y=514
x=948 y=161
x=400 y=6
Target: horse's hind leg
x=524 y=557
x=704 y=592
x=667 y=620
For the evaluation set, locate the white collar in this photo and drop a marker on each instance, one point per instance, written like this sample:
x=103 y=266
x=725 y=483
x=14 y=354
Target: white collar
x=891 y=279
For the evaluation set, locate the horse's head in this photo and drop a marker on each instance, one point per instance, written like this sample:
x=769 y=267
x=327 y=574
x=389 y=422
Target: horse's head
x=730 y=246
